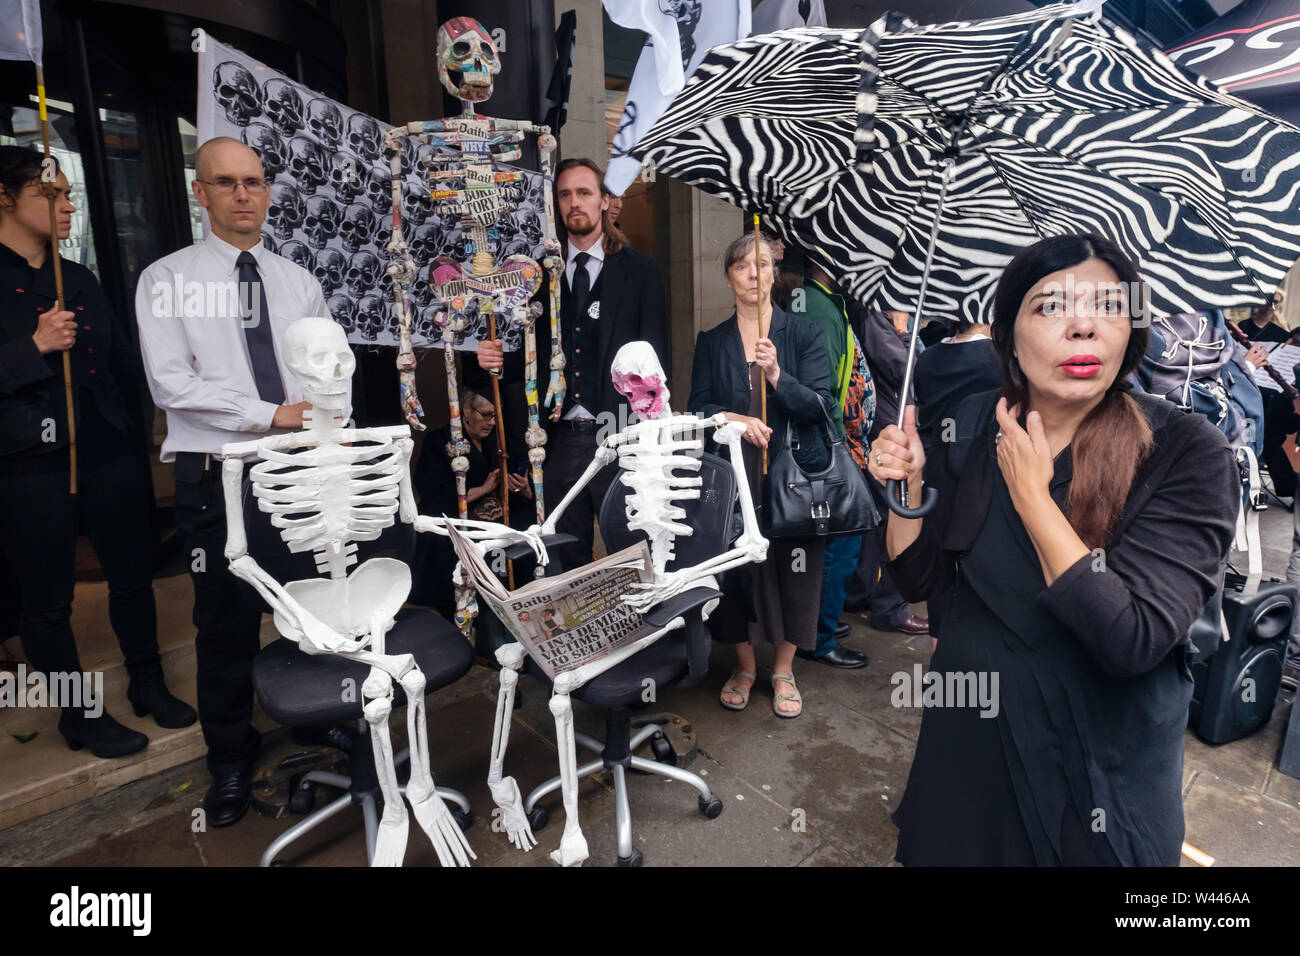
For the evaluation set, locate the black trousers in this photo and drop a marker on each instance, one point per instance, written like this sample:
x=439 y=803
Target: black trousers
x=568 y=453
x=227 y=616
x=39 y=524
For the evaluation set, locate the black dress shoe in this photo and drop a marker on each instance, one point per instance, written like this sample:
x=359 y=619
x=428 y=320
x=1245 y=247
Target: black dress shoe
x=228 y=798
x=838 y=656
x=338 y=736
x=105 y=737
x=149 y=695
x=842 y=631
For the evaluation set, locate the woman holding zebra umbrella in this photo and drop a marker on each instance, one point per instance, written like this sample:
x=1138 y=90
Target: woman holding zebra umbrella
x=1080 y=528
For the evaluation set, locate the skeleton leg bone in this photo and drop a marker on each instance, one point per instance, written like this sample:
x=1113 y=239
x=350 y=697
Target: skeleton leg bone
x=390 y=845
x=429 y=809
x=573 y=845
x=505 y=791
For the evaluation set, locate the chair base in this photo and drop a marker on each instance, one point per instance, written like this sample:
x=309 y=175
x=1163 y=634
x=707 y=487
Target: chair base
x=362 y=788
x=709 y=805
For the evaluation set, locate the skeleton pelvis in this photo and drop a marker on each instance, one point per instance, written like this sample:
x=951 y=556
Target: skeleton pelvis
x=375 y=590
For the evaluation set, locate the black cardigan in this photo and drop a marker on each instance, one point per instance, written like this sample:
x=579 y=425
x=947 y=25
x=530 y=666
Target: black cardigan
x=720 y=378
x=105 y=366
x=1094 y=669
x=1166 y=554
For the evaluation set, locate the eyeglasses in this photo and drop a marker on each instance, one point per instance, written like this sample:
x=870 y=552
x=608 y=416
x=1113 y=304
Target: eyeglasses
x=489 y=414
x=225 y=185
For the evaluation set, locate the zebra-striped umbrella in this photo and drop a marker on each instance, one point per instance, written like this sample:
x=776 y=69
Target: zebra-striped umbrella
x=1047 y=122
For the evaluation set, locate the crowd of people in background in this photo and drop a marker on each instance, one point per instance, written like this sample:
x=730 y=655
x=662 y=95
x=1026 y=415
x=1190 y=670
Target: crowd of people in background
x=1054 y=465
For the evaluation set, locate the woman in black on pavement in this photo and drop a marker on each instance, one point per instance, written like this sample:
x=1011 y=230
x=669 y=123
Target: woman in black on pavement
x=39 y=517
x=1082 y=527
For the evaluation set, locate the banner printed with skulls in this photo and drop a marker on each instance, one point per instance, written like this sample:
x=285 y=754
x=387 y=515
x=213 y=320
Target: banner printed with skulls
x=331 y=198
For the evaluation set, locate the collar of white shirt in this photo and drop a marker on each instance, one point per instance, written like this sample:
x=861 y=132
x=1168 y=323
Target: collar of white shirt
x=597 y=253
x=228 y=255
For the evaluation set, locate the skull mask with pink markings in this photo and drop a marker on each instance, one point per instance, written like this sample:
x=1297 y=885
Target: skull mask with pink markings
x=640 y=379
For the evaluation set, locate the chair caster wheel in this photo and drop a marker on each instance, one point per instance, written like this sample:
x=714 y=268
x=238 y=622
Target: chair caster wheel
x=275 y=863
x=663 y=750
x=302 y=797
x=537 y=818
x=634 y=860
x=464 y=818
x=711 y=808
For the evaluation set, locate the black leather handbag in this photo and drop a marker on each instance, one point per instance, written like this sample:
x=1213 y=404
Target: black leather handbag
x=804 y=504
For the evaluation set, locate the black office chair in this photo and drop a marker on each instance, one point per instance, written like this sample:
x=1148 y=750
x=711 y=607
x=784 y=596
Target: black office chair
x=680 y=657
x=304 y=690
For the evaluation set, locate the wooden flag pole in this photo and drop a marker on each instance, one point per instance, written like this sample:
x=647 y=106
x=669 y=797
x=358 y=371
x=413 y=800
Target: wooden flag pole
x=762 y=332
x=503 y=460
x=58 y=275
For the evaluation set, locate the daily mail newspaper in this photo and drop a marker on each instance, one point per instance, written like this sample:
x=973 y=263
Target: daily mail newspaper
x=573 y=618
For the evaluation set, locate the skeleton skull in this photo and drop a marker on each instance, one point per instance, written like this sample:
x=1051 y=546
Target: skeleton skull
x=237 y=92
x=358 y=226
x=379 y=190
x=417 y=206
x=640 y=378
x=344 y=311
x=269 y=148
x=372 y=316
x=322 y=221
x=316 y=350
x=268 y=241
x=347 y=177
x=365 y=137
x=363 y=273
x=307 y=164
x=424 y=243
x=286 y=211
x=297 y=252
x=329 y=269
x=326 y=122
x=283 y=106
x=467 y=59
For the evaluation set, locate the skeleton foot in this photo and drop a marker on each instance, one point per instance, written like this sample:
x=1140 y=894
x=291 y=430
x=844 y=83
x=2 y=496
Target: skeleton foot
x=430 y=811
x=505 y=794
x=390 y=844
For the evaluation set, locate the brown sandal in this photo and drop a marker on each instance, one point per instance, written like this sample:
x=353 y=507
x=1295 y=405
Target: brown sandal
x=778 y=699
x=731 y=687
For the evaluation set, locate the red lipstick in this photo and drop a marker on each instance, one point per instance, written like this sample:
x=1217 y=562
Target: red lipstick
x=1081 y=366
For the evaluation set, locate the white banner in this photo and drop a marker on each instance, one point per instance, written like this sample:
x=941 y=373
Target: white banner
x=20 y=30
x=331 y=197
x=773 y=15
x=687 y=28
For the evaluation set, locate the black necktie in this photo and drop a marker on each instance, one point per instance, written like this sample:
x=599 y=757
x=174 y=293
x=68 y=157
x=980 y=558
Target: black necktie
x=257 y=333
x=581 y=284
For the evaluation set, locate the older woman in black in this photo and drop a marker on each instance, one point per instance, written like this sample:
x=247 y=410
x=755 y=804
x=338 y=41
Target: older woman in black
x=733 y=362
x=1080 y=529
x=39 y=518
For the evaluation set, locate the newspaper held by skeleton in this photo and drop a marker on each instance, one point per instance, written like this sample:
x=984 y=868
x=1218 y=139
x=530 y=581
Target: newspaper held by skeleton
x=572 y=618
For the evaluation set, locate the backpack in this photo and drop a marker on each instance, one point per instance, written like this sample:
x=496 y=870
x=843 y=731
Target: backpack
x=1193 y=362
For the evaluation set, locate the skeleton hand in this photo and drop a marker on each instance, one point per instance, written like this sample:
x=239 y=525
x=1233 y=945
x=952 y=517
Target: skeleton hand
x=655 y=592
x=730 y=432
x=505 y=794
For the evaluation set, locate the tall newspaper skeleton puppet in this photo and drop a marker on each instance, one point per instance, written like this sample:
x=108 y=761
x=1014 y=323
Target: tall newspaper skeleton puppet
x=327 y=487
x=470 y=179
x=659 y=458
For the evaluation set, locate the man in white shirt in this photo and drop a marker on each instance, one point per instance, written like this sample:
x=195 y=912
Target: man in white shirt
x=212 y=318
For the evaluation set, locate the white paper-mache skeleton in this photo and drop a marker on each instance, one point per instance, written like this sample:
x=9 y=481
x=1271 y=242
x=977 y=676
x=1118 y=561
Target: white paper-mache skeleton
x=327 y=487
x=659 y=461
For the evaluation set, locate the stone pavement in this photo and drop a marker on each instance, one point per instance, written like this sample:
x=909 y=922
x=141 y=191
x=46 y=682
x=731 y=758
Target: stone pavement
x=815 y=791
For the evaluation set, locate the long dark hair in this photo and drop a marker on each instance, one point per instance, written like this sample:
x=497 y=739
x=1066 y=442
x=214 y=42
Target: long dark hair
x=1114 y=439
x=19 y=167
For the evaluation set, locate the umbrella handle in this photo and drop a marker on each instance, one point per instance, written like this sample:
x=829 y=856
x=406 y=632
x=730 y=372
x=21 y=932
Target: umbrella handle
x=896 y=495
